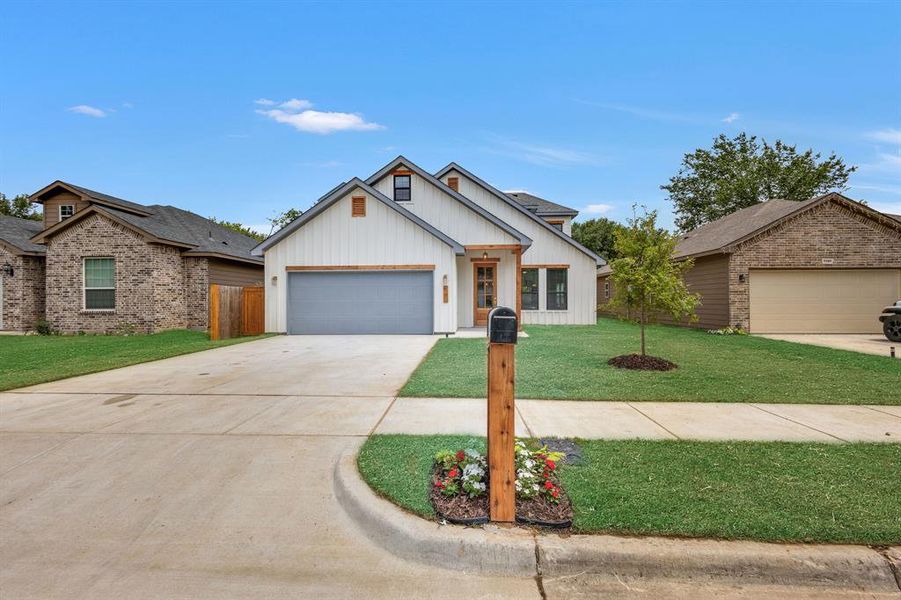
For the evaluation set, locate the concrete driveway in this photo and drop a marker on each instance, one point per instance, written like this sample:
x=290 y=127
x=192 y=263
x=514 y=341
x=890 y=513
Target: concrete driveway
x=207 y=475
x=868 y=343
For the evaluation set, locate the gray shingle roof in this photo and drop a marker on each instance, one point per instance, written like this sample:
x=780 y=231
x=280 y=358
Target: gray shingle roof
x=184 y=227
x=726 y=230
x=542 y=207
x=17 y=233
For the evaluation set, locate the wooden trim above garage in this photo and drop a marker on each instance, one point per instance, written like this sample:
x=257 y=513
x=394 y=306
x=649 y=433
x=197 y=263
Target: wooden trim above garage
x=552 y=266
x=361 y=268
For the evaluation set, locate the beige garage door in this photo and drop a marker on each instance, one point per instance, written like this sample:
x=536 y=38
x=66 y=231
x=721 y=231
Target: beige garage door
x=821 y=301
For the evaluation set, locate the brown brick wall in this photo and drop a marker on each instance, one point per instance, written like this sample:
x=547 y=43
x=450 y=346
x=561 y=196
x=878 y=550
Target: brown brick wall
x=156 y=288
x=828 y=231
x=23 y=292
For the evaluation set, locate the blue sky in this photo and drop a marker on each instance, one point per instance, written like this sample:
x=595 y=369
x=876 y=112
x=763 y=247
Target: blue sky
x=590 y=105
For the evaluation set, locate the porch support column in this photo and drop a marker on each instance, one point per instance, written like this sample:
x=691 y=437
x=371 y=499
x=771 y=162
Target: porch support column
x=517 y=252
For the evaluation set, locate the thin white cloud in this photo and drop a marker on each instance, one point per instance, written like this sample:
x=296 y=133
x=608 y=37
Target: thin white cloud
x=890 y=208
x=265 y=102
x=84 y=109
x=299 y=115
x=875 y=187
x=732 y=118
x=886 y=163
x=647 y=113
x=296 y=104
x=889 y=135
x=127 y=105
x=540 y=154
x=597 y=209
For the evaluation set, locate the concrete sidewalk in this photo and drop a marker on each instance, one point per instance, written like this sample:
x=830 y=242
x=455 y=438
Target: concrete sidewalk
x=653 y=420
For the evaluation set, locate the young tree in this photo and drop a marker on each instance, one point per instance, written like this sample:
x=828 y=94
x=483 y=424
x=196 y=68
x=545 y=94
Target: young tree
x=19 y=207
x=282 y=219
x=740 y=172
x=646 y=279
x=240 y=228
x=597 y=235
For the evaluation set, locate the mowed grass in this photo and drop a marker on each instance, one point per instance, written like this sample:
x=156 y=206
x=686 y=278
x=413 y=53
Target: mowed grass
x=767 y=491
x=28 y=360
x=570 y=362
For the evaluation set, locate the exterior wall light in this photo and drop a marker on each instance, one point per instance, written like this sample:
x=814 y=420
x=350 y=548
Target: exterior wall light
x=741 y=278
x=8 y=269
x=275 y=280
x=484 y=256
x=444 y=280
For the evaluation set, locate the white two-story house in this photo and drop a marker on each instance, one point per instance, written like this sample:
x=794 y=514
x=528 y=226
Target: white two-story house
x=406 y=251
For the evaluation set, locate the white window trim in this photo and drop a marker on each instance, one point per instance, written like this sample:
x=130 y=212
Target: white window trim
x=60 y=211
x=84 y=286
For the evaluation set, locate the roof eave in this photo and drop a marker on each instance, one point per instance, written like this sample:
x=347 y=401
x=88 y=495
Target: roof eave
x=209 y=254
x=516 y=205
x=524 y=240
x=35 y=197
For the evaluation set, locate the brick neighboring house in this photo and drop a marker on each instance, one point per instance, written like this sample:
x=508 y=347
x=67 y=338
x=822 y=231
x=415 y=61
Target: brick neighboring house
x=21 y=274
x=113 y=265
x=825 y=265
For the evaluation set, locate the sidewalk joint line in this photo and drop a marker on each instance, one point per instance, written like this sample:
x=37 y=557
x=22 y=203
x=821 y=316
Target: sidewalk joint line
x=653 y=421
x=790 y=420
x=881 y=412
x=382 y=418
x=524 y=422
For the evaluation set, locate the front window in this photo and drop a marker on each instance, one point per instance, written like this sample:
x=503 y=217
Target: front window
x=99 y=283
x=556 y=289
x=402 y=188
x=66 y=211
x=530 y=289
x=606 y=290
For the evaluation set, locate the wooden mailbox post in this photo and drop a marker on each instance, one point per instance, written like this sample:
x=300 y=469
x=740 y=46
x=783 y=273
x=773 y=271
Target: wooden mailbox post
x=502 y=329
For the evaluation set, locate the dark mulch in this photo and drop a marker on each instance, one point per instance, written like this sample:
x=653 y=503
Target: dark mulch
x=641 y=363
x=542 y=512
x=459 y=508
x=569 y=448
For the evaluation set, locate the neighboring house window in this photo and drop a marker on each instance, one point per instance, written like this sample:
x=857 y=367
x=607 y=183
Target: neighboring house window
x=557 y=224
x=99 y=283
x=453 y=183
x=402 y=188
x=530 y=289
x=556 y=289
x=66 y=211
x=606 y=290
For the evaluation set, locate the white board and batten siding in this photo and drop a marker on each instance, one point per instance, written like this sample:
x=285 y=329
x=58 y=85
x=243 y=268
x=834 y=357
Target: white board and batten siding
x=382 y=237
x=546 y=248
x=436 y=207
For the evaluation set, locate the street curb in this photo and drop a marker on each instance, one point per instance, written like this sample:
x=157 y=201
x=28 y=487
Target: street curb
x=498 y=551
x=487 y=549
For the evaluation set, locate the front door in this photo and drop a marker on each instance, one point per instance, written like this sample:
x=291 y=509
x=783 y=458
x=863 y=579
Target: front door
x=485 y=287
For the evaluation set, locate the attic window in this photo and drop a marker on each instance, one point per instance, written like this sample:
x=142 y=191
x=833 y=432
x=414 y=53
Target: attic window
x=453 y=183
x=66 y=211
x=402 y=188
x=358 y=206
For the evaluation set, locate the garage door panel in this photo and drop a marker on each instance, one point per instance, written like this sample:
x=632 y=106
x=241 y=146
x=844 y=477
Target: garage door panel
x=359 y=302
x=821 y=301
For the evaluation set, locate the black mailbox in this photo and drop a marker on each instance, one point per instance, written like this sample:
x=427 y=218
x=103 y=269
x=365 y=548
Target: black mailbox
x=502 y=325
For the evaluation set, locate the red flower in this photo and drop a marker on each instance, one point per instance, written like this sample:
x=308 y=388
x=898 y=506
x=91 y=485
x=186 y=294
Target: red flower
x=548 y=485
x=555 y=492
x=453 y=472
x=460 y=455
x=550 y=464
x=439 y=484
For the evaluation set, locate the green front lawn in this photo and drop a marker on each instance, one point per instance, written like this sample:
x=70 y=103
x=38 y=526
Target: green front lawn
x=769 y=491
x=571 y=363
x=28 y=360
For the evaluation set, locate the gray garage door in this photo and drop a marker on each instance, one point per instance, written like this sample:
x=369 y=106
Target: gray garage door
x=340 y=302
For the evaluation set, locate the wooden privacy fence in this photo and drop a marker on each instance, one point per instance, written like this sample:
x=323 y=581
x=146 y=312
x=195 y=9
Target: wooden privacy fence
x=235 y=311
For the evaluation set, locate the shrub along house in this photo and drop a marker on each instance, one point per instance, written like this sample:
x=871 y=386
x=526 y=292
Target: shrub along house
x=407 y=251
x=825 y=265
x=114 y=265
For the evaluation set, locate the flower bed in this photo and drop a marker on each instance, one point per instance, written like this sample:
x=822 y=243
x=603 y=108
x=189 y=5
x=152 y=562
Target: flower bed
x=460 y=483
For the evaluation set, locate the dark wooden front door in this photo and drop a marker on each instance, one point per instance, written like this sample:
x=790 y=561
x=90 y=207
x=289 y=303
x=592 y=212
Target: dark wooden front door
x=485 y=290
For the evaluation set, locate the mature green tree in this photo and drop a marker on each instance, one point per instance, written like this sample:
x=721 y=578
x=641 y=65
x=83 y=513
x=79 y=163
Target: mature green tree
x=647 y=281
x=597 y=235
x=282 y=219
x=19 y=206
x=739 y=172
x=239 y=228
